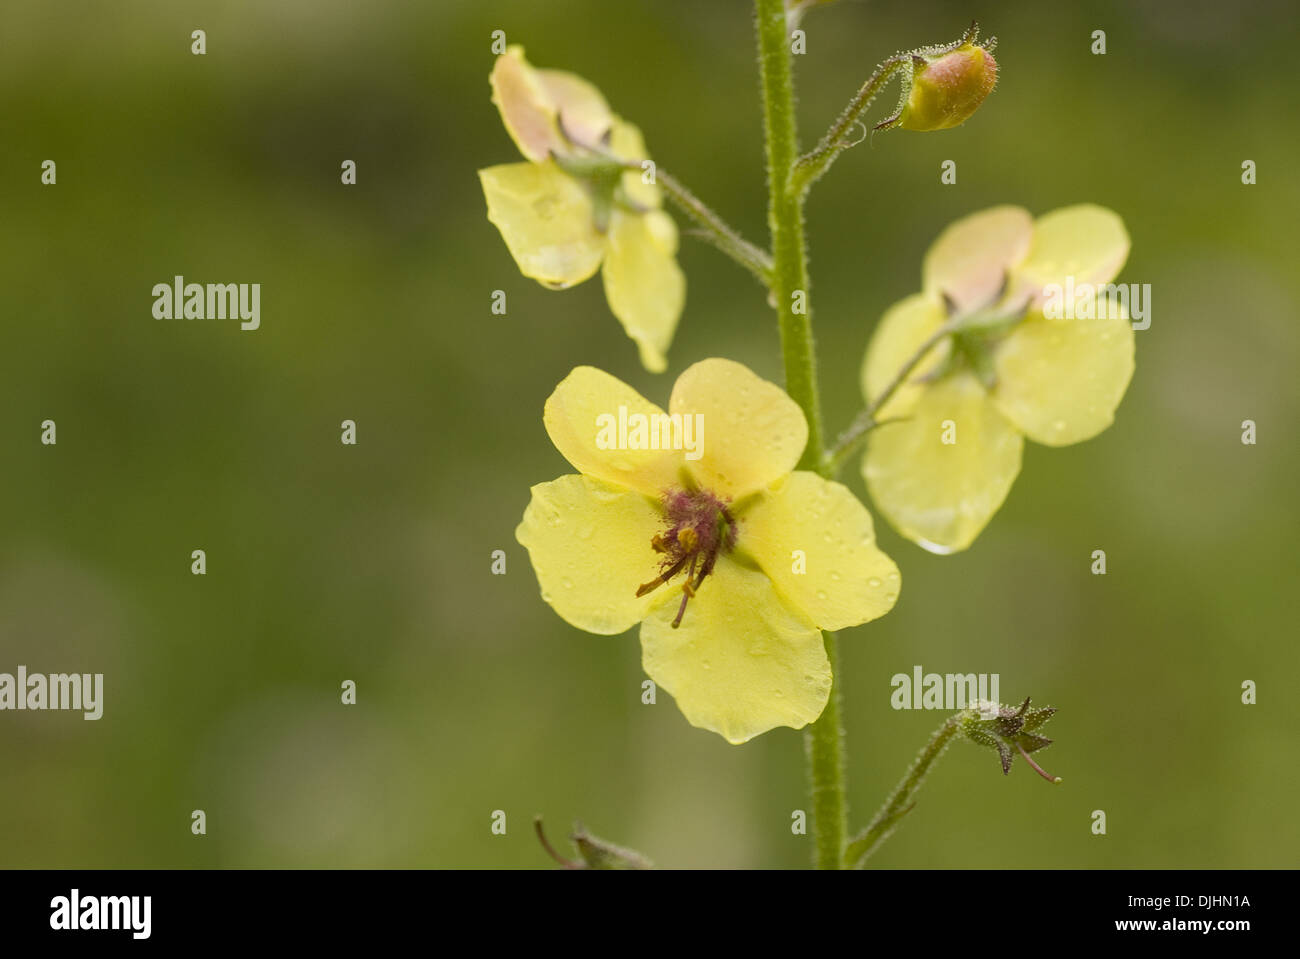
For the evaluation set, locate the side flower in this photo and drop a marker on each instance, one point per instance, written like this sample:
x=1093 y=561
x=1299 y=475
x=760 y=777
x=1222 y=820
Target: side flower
x=730 y=559
x=574 y=208
x=1006 y=370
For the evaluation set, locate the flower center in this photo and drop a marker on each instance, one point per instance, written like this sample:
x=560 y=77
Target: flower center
x=698 y=528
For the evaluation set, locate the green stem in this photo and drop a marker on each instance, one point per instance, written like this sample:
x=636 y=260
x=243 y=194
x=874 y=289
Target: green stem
x=866 y=421
x=825 y=738
x=716 y=230
x=785 y=220
x=848 y=441
x=810 y=167
x=900 y=802
x=713 y=227
x=824 y=746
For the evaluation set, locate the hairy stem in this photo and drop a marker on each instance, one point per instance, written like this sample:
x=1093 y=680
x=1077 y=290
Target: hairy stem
x=712 y=227
x=866 y=421
x=716 y=230
x=825 y=738
x=811 y=166
x=824 y=746
x=785 y=220
x=900 y=801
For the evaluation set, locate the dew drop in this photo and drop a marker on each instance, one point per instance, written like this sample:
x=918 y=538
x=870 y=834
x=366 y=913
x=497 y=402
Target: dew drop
x=874 y=582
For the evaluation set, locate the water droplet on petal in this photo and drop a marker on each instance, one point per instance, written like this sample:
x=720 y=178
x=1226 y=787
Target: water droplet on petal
x=874 y=582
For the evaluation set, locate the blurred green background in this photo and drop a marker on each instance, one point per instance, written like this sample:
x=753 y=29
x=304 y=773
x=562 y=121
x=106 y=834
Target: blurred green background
x=372 y=563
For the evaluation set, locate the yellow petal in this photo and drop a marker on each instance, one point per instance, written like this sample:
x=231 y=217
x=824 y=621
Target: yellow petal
x=645 y=287
x=1060 y=381
x=941 y=495
x=742 y=662
x=753 y=433
x=816 y=542
x=1085 y=242
x=545 y=217
x=584 y=418
x=626 y=143
x=583 y=114
x=527 y=108
x=970 y=259
x=900 y=333
x=590 y=547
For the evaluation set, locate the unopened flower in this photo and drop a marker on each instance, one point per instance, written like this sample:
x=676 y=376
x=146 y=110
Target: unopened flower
x=948 y=87
x=732 y=562
x=574 y=208
x=945 y=463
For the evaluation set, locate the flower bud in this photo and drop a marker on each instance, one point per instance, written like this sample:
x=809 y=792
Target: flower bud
x=949 y=87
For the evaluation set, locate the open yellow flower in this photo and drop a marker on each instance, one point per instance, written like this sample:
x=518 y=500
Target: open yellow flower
x=695 y=524
x=1010 y=370
x=569 y=211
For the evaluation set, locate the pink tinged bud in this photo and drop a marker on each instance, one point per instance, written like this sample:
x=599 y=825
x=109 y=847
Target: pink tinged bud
x=947 y=89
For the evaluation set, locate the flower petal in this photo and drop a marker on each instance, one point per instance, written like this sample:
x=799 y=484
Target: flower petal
x=742 y=662
x=626 y=143
x=1060 y=381
x=584 y=417
x=583 y=115
x=900 y=333
x=645 y=287
x=842 y=578
x=941 y=495
x=970 y=259
x=527 y=107
x=590 y=546
x=546 y=219
x=752 y=432
x=1085 y=242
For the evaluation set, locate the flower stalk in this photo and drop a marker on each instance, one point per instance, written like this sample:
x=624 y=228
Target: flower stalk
x=716 y=230
x=825 y=738
x=866 y=421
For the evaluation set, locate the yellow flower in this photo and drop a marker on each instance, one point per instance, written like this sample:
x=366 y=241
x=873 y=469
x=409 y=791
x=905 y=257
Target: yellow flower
x=941 y=471
x=569 y=209
x=696 y=525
